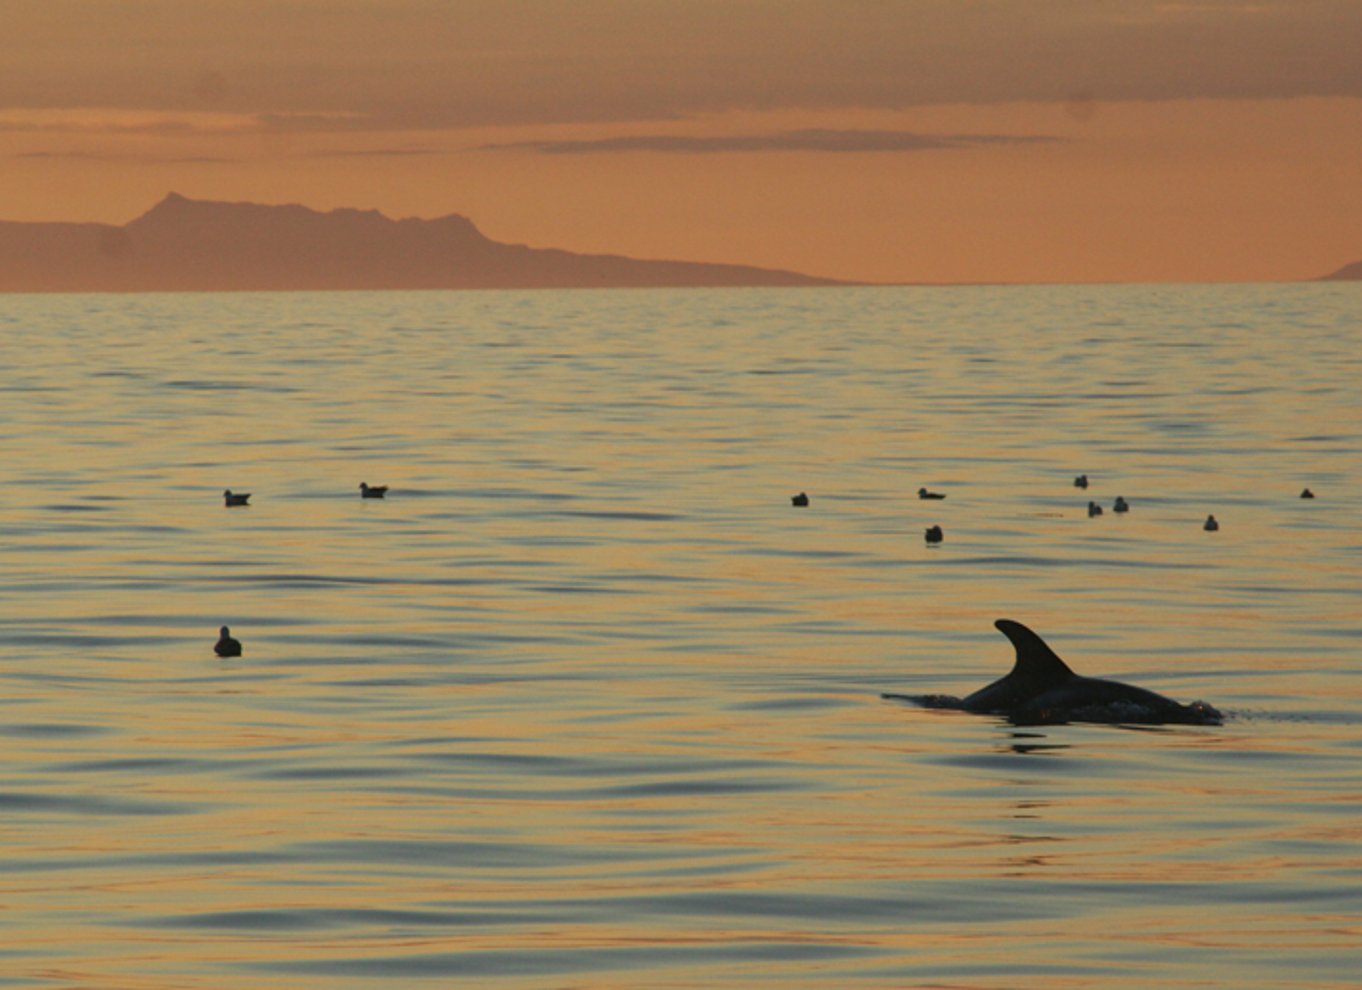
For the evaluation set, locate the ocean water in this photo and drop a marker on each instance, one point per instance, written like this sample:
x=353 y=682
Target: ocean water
x=585 y=702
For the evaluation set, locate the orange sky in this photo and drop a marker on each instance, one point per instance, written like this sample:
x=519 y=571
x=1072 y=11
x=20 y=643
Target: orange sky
x=883 y=140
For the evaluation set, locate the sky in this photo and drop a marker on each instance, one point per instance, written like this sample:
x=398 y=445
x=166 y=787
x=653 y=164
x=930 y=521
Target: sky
x=869 y=140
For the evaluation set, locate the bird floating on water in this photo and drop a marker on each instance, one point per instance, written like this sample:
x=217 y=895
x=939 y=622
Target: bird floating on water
x=1210 y=525
x=372 y=491
x=1094 y=509
x=923 y=493
x=934 y=534
x=226 y=646
x=1081 y=481
x=1307 y=493
x=800 y=500
x=1121 y=505
x=230 y=498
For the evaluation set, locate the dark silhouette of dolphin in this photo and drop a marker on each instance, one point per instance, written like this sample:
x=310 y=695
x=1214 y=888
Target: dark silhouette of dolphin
x=1042 y=690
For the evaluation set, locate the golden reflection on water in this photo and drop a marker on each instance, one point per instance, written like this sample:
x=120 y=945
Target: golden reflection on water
x=585 y=701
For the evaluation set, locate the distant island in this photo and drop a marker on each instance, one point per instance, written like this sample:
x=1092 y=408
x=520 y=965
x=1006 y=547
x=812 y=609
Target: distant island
x=183 y=244
x=1348 y=273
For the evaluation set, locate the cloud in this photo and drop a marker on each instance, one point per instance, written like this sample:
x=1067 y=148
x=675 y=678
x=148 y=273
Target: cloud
x=116 y=121
x=1212 y=9
x=327 y=122
x=373 y=153
x=99 y=121
x=143 y=158
x=437 y=64
x=108 y=156
x=823 y=140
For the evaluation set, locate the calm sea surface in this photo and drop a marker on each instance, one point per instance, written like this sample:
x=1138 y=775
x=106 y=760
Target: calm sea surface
x=586 y=703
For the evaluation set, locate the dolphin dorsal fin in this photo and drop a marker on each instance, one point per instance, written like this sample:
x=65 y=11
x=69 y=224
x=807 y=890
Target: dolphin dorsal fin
x=1036 y=662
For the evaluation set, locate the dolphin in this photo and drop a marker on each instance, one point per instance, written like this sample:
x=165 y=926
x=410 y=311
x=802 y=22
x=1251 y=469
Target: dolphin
x=1042 y=690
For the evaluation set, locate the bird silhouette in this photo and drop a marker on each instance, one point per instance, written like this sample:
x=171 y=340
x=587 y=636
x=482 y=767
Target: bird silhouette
x=226 y=646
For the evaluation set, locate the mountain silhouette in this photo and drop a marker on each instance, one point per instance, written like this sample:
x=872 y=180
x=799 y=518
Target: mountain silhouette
x=1347 y=273
x=183 y=244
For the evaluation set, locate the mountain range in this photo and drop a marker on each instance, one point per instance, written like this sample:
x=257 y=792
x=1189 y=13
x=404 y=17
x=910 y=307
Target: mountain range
x=183 y=244
x=1348 y=273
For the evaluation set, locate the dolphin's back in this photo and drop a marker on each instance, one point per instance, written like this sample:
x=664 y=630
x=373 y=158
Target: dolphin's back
x=1041 y=689
x=1036 y=671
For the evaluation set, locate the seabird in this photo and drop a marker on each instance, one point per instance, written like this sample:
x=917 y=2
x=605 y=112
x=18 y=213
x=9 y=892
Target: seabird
x=1081 y=481
x=226 y=646
x=1094 y=509
x=1210 y=525
x=934 y=534
x=376 y=491
x=801 y=499
x=1120 y=505
x=923 y=493
x=231 y=499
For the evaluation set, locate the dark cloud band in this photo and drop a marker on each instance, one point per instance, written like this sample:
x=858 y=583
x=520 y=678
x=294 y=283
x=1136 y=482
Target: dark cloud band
x=813 y=139
x=418 y=64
